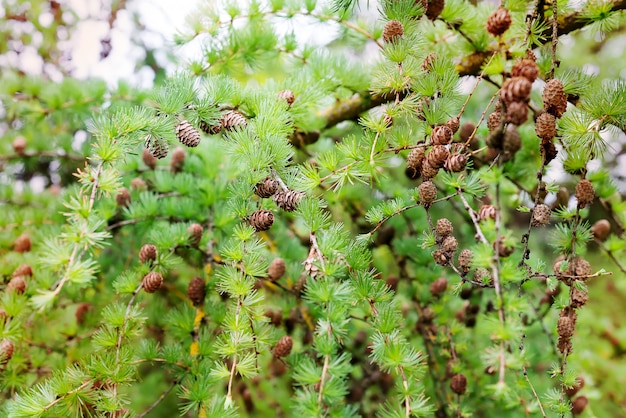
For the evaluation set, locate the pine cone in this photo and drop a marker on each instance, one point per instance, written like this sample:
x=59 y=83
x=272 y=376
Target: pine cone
x=578 y=298
x=466 y=131
x=414 y=163
x=541 y=215
x=442 y=135
x=158 y=148
x=233 y=120
x=564 y=345
x=437 y=156
x=482 y=275
x=283 y=347
x=458 y=384
x=187 y=134
x=261 y=220
x=393 y=31
x=584 y=193
x=579 y=405
x=196 y=291
x=266 y=187
x=456 y=163
x=19 y=145
x=494 y=121
x=443 y=228
x=138 y=184
x=427 y=191
x=287 y=95
x=147 y=253
x=277 y=269
x=499 y=22
x=511 y=143
x=545 y=126
x=454 y=124
x=565 y=327
x=123 y=198
x=210 y=129
x=503 y=250
x=17 y=284
x=449 y=244
x=178 y=160
x=525 y=68
x=194 y=232
x=486 y=212
x=288 y=200
x=441 y=257
x=435 y=7
x=601 y=229
x=22 y=244
x=515 y=89
x=465 y=260
x=152 y=282
x=438 y=287
x=7 y=348
x=148 y=159
x=579 y=267
x=516 y=113
x=24 y=270
x=554 y=98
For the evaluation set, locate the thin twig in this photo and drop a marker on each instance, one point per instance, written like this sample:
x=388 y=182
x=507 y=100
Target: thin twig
x=158 y=400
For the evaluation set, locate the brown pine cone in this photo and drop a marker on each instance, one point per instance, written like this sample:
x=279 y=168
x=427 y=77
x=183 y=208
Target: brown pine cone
x=187 y=134
x=515 y=89
x=516 y=113
x=17 y=284
x=458 y=384
x=393 y=31
x=287 y=95
x=283 y=347
x=24 y=270
x=414 y=163
x=503 y=250
x=261 y=220
x=178 y=160
x=494 y=121
x=157 y=147
x=499 y=22
x=7 y=348
x=601 y=229
x=196 y=291
x=482 y=275
x=427 y=191
x=579 y=405
x=147 y=253
x=456 y=163
x=486 y=212
x=442 y=135
x=437 y=156
x=210 y=129
x=449 y=244
x=288 y=200
x=194 y=232
x=441 y=257
x=466 y=131
x=22 y=244
x=579 y=267
x=443 y=227
x=123 y=198
x=138 y=184
x=19 y=145
x=578 y=298
x=233 y=119
x=434 y=9
x=465 y=260
x=565 y=326
x=148 y=159
x=428 y=171
x=564 y=345
x=277 y=269
x=554 y=98
x=584 y=193
x=545 y=126
x=525 y=68
x=454 y=124
x=439 y=286
x=266 y=187
x=152 y=282
x=511 y=143
x=541 y=215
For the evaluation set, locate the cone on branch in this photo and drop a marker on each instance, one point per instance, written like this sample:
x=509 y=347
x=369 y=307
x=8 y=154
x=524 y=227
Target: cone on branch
x=7 y=348
x=601 y=229
x=458 y=384
x=526 y=68
x=194 y=234
x=24 y=270
x=545 y=126
x=434 y=9
x=288 y=200
x=427 y=192
x=287 y=95
x=554 y=98
x=541 y=215
x=187 y=134
x=438 y=287
x=393 y=31
x=584 y=193
x=498 y=22
x=443 y=227
x=437 y=156
x=465 y=260
x=266 y=187
x=486 y=212
x=147 y=253
x=456 y=163
x=210 y=129
x=157 y=148
x=196 y=291
x=453 y=124
x=442 y=135
x=261 y=220
x=178 y=160
x=123 y=198
x=17 y=284
x=276 y=269
x=148 y=159
x=22 y=244
x=152 y=282
x=233 y=120
x=428 y=172
x=283 y=347
x=138 y=184
x=467 y=129
x=414 y=163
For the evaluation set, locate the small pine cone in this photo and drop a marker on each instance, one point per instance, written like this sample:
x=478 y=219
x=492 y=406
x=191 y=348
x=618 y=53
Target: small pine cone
x=147 y=253
x=428 y=171
x=261 y=220
x=453 y=124
x=450 y=244
x=525 y=68
x=503 y=250
x=564 y=345
x=578 y=298
x=427 y=191
x=466 y=131
x=437 y=156
x=438 y=287
x=158 y=148
x=152 y=282
x=444 y=227
x=19 y=145
x=584 y=193
x=393 y=31
x=210 y=129
x=579 y=267
x=579 y=405
x=541 y=215
x=7 y=348
x=499 y=22
x=554 y=98
x=442 y=135
x=148 y=159
x=138 y=184
x=187 y=134
x=266 y=188
x=17 y=285
x=277 y=269
x=233 y=120
x=458 y=384
x=24 y=270
x=178 y=160
x=482 y=275
x=545 y=126
x=549 y=150
x=511 y=143
x=283 y=347
x=516 y=113
x=601 y=229
x=123 y=198
x=288 y=200
x=465 y=260
x=494 y=121
x=287 y=95
x=455 y=163
x=194 y=234
x=515 y=89
x=486 y=212
x=196 y=291
x=441 y=257
x=435 y=7
x=81 y=311
x=22 y=244
x=565 y=327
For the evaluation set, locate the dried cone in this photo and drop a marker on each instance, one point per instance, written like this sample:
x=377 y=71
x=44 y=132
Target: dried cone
x=601 y=229
x=499 y=22
x=123 y=198
x=288 y=200
x=283 y=347
x=24 y=270
x=414 y=163
x=456 y=163
x=458 y=384
x=196 y=291
x=541 y=215
x=441 y=257
x=579 y=267
x=450 y=244
x=427 y=191
x=486 y=212
x=22 y=244
x=578 y=298
x=465 y=260
x=526 y=68
x=152 y=282
x=210 y=129
x=454 y=124
x=277 y=269
x=17 y=285
x=584 y=193
x=287 y=95
x=511 y=143
x=579 y=404
x=393 y=31
x=516 y=89
x=435 y=7
x=194 y=232
x=158 y=148
x=545 y=126
x=148 y=159
x=554 y=98
x=187 y=134
x=147 y=253
x=261 y=220
x=437 y=156
x=178 y=160
x=517 y=113
x=494 y=120
x=19 y=145
x=466 y=131
x=443 y=227
x=7 y=348
x=233 y=120
x=266 y=187
x=428 y=171
x=438 y=287
x=565 y=326
x=482 y=275
x=442 y=135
